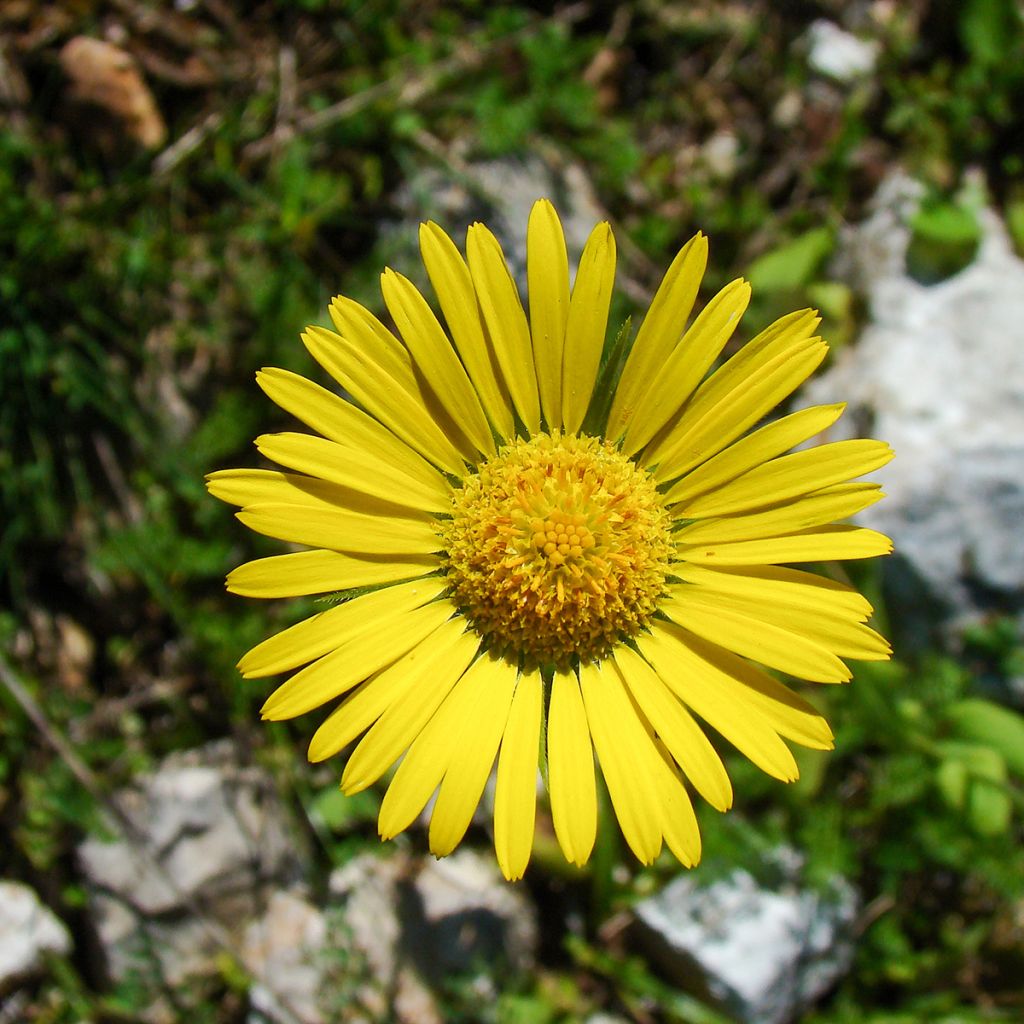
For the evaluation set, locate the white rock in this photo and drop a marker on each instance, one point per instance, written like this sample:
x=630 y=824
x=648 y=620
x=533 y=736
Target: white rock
x=372 y=892
x=28 y=931
x=503 y=194
x=939 y=374
x=513 y=186
x=212 y=826
x=418 y=925
x=212 y=835
x=474 y=916
x=283 y=951
x=721 y=154
x=838 y=54
x=762 y=953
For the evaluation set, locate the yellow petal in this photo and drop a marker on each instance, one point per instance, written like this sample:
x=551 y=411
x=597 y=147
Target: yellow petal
x=659 y=334
x=506 y=322
x=434 y=356
x=244 y=487
x=423 y=766
x=682 y=834
x=682 y=736
x=625 y=753
x=547 y=272
x=397 y=403
x=678 y=822
x=789 y=714
x=774 y=338
x=315 y=636
x=754 y=450
x=395 y=730
x=341 y=421
x=358 y=326
x=453 y=285
x=389 y=357
x=818 y=544
x=794 y=608
x=727 y=389
x=571 y=770
x=354 y=469
x=587 y=325
x=721 y=623
x=320 y=572
x=684 y=369
x=825 y=506
x=368 y=652
x=362 y=708
x=790 y=476
x=473 y=744
x=709 y=425
x=770 y=584
x=716 y=697
x=515 y=794
x=340 y=530
x=356 y=323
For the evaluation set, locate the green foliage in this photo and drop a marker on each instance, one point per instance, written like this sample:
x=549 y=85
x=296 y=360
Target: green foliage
x=55 y=804
x=962 y=105
x=547 y=96
x=60 y=342
x=793 y=264
x=636 y=986
x=993 y=726
x=1015 y=222
x=795 y=274
x=946 y=234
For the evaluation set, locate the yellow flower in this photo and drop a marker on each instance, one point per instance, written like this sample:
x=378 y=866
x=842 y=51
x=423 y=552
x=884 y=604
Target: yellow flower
x=545 y=557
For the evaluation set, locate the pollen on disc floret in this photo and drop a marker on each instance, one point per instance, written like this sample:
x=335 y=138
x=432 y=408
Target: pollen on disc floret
x=557 y=548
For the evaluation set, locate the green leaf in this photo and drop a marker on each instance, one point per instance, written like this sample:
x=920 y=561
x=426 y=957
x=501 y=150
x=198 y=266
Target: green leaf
x=996 y=727
x=988 y=807
x=944 y=222
x=794 y=264
x=989 y=30
x=972 y=778
x=951 y=779
x=339 y=813
x=1015 y=222
x=833 y=298
x=945 y=238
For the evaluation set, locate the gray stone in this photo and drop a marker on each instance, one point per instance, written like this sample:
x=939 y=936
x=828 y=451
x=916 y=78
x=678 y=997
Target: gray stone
x=370 y=892
x=15 y=1008
x=212 y=841
x=472 y=917
x=415 y=926
x=29 y=931
x=763 y=953
x=500 y=193
x=939 y=375
x=838 y=54
x=283 y=952
x=721 y=155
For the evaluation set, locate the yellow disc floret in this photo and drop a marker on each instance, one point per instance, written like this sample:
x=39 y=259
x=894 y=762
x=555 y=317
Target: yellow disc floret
x=557 y=548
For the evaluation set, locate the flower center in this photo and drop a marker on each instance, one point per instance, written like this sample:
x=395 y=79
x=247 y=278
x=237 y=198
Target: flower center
x=557 y=549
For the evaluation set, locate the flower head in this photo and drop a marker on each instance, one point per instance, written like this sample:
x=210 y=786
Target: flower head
x=543 y=557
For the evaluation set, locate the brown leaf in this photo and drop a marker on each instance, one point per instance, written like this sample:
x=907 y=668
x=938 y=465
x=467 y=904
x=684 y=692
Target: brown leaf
x=105 y=76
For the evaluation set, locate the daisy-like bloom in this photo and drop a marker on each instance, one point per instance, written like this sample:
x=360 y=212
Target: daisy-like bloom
x=551 y=548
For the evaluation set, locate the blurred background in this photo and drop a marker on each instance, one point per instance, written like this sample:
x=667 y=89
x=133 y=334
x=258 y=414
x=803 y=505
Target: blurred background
x=183 y=186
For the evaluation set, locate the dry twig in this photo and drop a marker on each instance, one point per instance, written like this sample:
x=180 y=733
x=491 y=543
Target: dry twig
x=407 y=89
